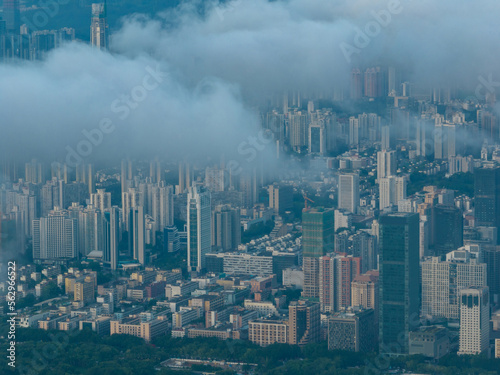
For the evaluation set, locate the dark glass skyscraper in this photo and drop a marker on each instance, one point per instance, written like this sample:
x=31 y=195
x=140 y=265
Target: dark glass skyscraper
x=487 y=195
x=399 y=280
x=449 y=229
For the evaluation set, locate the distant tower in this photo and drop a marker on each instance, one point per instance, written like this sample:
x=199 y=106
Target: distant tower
x=199 y=233
x=99 y=26
x=11 y=16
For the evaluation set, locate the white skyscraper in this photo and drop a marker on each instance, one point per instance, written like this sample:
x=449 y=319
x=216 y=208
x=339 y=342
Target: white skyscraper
x=99 y=26
x=392 y=189
x=199 y=232
x=349 y=192
x=386 y=163
x=474 y=320
x=162 y=206
x=443 y=280
x=55 y=236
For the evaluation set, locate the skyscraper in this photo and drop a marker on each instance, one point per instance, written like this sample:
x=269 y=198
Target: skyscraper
x=349 y=192
x=443 y=280
x=450 y=228
x=199 y=232
x=136 y=234
x=487 y=195
x=99 y=26
x=474 y=320
x=55 y=236
x=392 y=189
x=11 y=16
x=399 y=280
x=112 y=235
x=226 y=228
x=317 y=240
x=386 y=163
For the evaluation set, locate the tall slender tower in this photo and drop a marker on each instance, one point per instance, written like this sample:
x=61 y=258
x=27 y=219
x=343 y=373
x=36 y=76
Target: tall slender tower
x=99 y=26
x=199 y=232
x=11 y=16
x=399 y=280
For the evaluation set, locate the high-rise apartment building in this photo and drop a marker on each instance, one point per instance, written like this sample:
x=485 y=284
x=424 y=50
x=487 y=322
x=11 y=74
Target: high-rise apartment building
x=99 y=26
x=55 y=236
x=386 y=163
x=449 y=227
x=226 y=228
x=392 y=189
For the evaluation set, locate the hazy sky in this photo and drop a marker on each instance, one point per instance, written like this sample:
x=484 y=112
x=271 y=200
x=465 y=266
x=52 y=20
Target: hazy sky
x=215 y=66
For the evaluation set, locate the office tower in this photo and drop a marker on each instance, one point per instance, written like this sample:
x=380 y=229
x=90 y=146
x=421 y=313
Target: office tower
x=303 y=322
x=365 y=292
x=353 y=131
x=199 y=232
x=226 y=228
x=386 y=163
x=491 y=256
x=136 y=234
x=280 y=198
x=356 y=84
x=364 y=246
x=112 y=235
x=11 y=16
x=443 y=280
x=392 y=189
x=399 y=279
x=487 y=195
x=450 y=228
x=99 y=26
x=55 y=236
x=34 y=172
x=162 y=206
x=349 y=192
x=474 y=320
x=317 y=240
x=352 y=330
x=101 y=200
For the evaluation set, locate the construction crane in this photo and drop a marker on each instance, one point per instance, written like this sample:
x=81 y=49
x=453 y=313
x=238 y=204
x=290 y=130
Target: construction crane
x=306 y=198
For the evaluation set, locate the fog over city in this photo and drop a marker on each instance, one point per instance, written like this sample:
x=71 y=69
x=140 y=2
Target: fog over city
x=216 y=66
